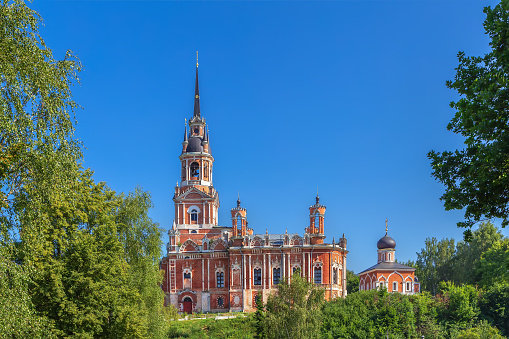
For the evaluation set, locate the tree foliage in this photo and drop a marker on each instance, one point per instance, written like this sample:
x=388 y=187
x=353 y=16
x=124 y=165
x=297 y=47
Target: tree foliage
x=494 y=265
x=434 y=263
x=476 y=178
x=293 y=311
x=352 y=282
x=468 y=253
x=36 y=112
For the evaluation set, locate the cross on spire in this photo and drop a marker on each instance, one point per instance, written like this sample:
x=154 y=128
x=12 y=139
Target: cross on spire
x=386 y=228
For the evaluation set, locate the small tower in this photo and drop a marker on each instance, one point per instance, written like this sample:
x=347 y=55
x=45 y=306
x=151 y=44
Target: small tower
x=239 y=220
x=316 y=222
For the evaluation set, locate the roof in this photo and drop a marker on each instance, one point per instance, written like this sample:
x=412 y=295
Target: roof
x=389 y=266
x=386 y=242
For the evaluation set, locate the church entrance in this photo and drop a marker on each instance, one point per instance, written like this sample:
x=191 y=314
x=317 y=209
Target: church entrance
x=188 y=305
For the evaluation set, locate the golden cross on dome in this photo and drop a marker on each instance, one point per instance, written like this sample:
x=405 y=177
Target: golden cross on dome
x=386 y=220
x=196 y=58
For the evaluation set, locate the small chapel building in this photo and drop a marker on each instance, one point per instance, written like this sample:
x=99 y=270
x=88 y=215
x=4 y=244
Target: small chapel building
x=388 y=273
x=216 y=268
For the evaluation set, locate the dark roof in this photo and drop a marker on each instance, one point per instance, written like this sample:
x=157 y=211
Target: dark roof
x=389 y=266
x=195 y=144
x=386 y=242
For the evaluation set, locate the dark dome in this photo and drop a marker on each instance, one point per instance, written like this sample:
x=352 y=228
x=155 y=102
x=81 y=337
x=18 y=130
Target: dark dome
x=386 y=242
x=194 y=145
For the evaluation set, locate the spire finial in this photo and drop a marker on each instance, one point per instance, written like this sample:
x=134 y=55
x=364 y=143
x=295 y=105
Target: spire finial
x=196 y=92
x=386 y=228
x=317 y=197
x=238 y=198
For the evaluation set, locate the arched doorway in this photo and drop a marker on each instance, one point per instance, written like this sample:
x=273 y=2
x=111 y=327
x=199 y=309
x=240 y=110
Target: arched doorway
x=188 y=305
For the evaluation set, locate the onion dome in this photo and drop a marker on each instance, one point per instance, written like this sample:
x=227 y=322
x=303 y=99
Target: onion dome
x=386 y=242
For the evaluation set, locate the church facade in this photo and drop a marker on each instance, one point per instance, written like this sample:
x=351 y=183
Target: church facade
x=214 y=268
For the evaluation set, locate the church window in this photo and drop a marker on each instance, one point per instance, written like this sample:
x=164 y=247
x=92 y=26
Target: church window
x=220 y=302
x=220 y=279
x=296 y=270
x=195 y=169
x=194 y=231
x=257 y=276
x=318 y=275
x=187 y=279
x=239 y=221
x=408 y=286
x=334 y=276
x=276 y=275
x=194 y=215
x=394 y=286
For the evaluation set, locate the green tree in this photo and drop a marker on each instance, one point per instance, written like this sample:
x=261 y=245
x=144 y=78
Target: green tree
x=18 y=317
x=352 y=282
x=293 y=311
x=481 y=331
x=434 y=263
x=141 y=241
x=459 y=304
x=494 y=264
x=468 y=253
x=36 y=112
x=476 y=178
x=494 y=306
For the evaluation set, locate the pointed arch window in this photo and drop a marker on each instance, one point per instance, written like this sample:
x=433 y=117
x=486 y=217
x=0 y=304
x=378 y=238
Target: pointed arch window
x=257 y=276
x=276 y=275
x=239 y=221
x=296 y=270
x=335 y=276
x=220 y=279
x=195 y=169
x=395 y=286
x=318 y=275
x=317 y=221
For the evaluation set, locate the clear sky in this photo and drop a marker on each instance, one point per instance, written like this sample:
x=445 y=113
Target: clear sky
x=346 y=96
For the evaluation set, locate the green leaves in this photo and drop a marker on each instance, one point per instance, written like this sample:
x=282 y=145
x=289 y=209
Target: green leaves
x=477 y=178
x=293 y=312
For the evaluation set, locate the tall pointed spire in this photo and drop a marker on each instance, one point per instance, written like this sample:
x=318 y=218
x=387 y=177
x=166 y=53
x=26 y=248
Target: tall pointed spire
x=196 y=92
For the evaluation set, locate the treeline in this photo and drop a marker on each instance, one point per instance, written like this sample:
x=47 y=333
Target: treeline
x=298 y=310
x=76 y=258
x=482 y=260
x=456 y=312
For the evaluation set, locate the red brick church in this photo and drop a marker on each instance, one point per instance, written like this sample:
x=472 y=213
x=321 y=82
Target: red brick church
x=213 y=268
x=388 y=273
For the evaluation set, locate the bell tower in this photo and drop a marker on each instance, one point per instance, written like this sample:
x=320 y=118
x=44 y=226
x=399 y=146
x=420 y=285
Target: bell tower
x=196 y=200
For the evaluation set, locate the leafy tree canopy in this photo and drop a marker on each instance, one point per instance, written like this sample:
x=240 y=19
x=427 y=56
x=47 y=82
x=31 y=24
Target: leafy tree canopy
x=476 y=178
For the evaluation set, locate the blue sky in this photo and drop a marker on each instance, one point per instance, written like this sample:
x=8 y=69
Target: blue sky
x=346 y=96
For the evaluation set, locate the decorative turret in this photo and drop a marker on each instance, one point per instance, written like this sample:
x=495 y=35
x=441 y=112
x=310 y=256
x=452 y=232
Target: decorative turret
x=239 y=220
x=316 y=222
x=174 y=236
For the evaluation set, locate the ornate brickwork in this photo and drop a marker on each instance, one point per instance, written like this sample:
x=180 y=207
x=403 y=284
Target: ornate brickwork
x=214 y=268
